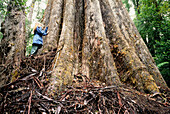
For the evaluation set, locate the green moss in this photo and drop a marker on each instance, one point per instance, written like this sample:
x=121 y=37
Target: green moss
x=14 y=75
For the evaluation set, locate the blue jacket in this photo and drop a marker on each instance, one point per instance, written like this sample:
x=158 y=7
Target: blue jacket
x=38 y=33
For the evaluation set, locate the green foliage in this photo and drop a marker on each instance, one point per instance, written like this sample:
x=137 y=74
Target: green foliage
x=20 y=2
x=28 y=48
x=29 y=42
x=1 y=35
x=3 y=7
x=127 y=5
x=4 y=4
x=162 y=64
x=152 y=21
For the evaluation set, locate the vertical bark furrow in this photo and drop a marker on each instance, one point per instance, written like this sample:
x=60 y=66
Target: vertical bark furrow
x=96 y=48
x=78 y=35
x=51 y=40
x=63 y=66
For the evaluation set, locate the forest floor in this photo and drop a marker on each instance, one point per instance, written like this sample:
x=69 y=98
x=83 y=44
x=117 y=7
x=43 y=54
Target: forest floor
x=28 y=94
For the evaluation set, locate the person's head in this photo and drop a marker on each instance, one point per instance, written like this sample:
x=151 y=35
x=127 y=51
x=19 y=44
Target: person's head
x=37 y=24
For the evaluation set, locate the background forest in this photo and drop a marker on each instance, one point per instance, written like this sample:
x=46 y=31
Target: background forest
x=151 y=19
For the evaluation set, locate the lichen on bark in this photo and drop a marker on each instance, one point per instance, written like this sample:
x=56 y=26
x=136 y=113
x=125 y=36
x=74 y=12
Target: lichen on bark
x=12 y=46
x=98 y=39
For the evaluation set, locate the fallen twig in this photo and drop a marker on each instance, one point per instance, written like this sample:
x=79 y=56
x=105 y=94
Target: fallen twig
x=29 y=102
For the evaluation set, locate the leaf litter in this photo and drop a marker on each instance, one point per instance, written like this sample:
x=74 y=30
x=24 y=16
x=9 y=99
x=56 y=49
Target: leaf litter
x=28 y=94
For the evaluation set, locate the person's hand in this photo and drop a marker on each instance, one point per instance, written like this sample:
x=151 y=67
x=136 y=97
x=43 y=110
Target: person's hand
x=47 y=32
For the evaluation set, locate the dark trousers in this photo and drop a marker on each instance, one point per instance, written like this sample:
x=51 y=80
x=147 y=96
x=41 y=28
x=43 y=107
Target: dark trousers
x=35 y=48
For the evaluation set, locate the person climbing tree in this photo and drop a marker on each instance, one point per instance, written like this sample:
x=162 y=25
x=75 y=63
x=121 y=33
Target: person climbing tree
x=37 y=39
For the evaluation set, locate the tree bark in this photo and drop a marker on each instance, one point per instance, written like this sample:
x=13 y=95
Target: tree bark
x=12 y=47
x=98 y=39
x=63 y=63
x=55 y=23
x=97 y=59
x=46 y=17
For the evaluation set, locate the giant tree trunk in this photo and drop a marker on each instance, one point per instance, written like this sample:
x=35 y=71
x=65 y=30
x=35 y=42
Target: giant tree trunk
x=98 y=39
x=12 y=47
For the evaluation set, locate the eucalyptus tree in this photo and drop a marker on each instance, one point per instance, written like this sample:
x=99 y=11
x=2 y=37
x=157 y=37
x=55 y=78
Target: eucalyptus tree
x=12 y=46
x=98 y=39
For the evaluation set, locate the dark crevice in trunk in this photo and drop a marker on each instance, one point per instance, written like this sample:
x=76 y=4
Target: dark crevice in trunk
x=111 y=34
x=82 y=27
x=61 y=24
